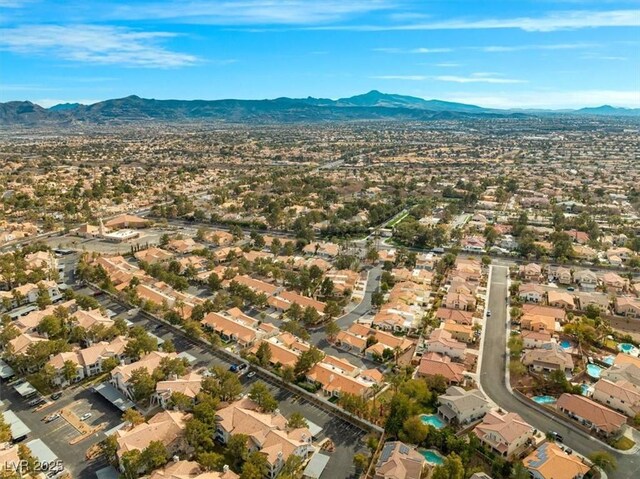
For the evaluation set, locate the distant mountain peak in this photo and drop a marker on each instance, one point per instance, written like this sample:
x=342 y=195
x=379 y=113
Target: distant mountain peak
x=373 y=105
x=64 y=106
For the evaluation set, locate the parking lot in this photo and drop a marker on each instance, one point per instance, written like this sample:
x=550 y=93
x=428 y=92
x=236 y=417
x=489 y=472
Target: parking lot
x=347 y=438
x=58 y=433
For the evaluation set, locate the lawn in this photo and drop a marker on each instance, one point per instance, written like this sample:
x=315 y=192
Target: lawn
x=623 y=443
x=397 y=220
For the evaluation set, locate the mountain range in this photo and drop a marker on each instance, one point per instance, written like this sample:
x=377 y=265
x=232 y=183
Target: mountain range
x=369 y=106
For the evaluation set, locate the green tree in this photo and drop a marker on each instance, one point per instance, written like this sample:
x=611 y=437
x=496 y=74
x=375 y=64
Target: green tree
x=168 y=346
x=291 y=468
x=604 y=460
x=360 y=461
x=516 y=345
x=399 y=408
x=332 y=310
x=223 y=384
x=131 y=462
x=377 y=298
x=260 y=394
x=296 y=420
x=133 y=417
x=372 y=255
x=211 y=461
x=199 y=435
x=237 y=452
x=307 y=360
x=180 y=401
x=142 y=384
x=5 y=430
x=109 y=364
x=331 y=330
x=69 y=371
x=263 y=354
x=44 y=299
x=214 y=282
x=154 y=455
x=452 y=468
x=29 y=461
x=414 y=430
x=109 y=449
x=519 y=471
x=255 y=467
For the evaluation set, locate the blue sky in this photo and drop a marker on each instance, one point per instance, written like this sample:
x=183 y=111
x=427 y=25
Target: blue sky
x=496 y=53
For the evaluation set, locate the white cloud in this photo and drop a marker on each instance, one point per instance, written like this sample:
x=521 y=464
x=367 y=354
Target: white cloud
x=402 y=77
x=13 y=3
x=553 y=46
x=448 y=65
x=431 y=50
x=494 y=48
x=107 y=45
x=559 y=20
x=552 y=99
x=479 y=77
x=250 y=12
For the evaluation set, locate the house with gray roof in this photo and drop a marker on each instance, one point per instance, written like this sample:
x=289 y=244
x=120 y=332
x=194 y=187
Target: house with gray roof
x=462 y=407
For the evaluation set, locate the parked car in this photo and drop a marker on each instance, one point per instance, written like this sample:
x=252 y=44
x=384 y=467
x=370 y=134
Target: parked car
x=56 y=396
x=488 y=313
x=251 y=374
x=36 y=401
x=555 y=436
x=52 y=417
x=85 y=416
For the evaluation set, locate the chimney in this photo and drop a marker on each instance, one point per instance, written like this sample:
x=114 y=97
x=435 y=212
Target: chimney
x=225 y=468
x=175 y=458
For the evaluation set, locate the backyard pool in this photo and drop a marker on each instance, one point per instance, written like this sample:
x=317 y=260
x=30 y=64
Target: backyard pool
x=565 y=344
x=544 y=399
x=432 y=457
x=594 y=371
x=628 y=348
x=432 y=420
x=586 y=390
x=609 y=360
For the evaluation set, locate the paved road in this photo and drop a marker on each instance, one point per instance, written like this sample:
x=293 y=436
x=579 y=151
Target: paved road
x=318 y=337
x=492 y=379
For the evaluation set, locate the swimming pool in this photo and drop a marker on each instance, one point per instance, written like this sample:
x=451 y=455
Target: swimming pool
x=565 y=344
x=432 y=457
x=625 y=347
x=586 y=390
x=628 y=348
x=609 y=360
x=432 y=420
x=594 y=371
x=544 y=399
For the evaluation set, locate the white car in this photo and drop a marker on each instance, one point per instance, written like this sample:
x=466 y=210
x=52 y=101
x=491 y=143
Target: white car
x=85 y=416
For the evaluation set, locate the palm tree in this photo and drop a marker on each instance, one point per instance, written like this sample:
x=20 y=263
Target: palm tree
x=396 y=353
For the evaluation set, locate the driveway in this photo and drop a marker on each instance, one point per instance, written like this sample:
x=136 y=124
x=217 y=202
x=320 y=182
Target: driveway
x=492 y=379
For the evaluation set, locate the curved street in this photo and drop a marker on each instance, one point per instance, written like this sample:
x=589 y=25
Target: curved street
x=492 y=380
